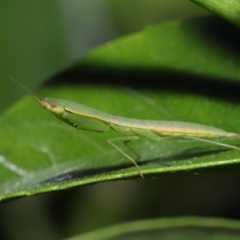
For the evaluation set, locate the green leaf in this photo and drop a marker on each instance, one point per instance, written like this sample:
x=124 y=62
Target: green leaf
x=167 y=72
x=226 y=9
x=206 y=46
x=168 y=228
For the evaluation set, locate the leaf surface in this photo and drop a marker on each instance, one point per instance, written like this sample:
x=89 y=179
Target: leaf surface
x=171 y=72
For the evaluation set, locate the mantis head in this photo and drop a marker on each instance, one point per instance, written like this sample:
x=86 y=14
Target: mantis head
x=55 y=106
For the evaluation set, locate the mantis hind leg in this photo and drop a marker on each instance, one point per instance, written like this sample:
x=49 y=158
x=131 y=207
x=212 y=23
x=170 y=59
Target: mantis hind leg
x=214 y=142
x=126 y=140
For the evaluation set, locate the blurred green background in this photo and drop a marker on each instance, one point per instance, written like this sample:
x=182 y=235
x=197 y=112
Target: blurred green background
x=41 y=38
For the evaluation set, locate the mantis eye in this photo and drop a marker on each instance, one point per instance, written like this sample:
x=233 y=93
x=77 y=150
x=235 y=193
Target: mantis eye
x=53 y=106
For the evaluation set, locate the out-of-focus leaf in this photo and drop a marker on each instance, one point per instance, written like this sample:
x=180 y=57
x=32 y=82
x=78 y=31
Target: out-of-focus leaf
x=187 y=228
x=226 y=9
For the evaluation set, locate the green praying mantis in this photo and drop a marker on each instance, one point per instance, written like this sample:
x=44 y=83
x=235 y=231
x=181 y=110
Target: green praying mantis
x=86 y=118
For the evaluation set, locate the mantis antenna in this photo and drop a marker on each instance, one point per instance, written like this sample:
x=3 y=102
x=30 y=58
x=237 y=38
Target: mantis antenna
x=21 y=85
